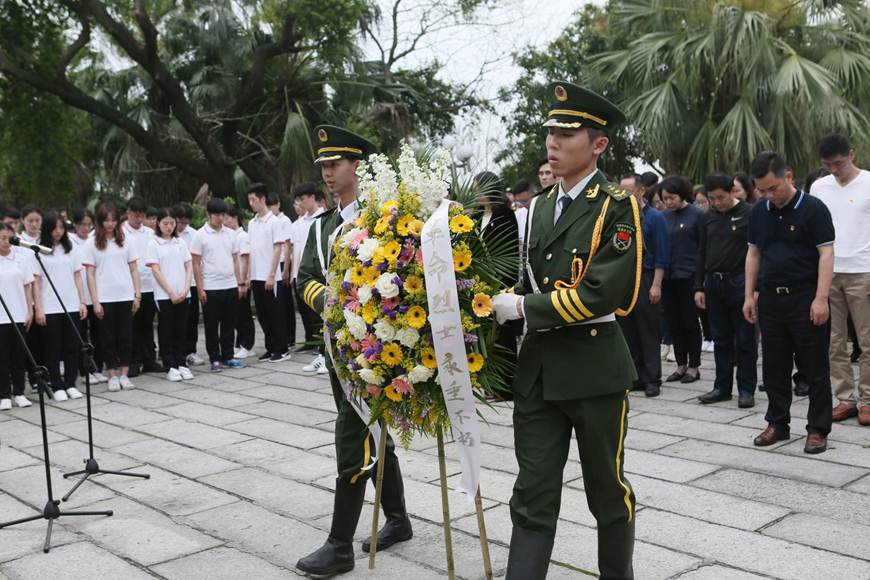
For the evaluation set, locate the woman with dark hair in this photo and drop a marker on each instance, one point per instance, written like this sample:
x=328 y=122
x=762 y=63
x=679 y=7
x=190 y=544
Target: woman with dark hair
x=113 y=281
x=744 y=188
x=15 y=281
x=83 y=229
x=170 y=262
x=683 y=219
x=31 y=219
x=59 y=340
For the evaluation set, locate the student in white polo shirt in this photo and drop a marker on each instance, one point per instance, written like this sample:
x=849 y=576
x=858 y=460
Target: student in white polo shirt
x=285 y=266
x=183 y=215
x=113 y=281
x=31 y=221
x=83 y=230
x=139 y=236
x=172 y=267
x=219 y=284
x=267 y=241
x=15 y=283
x=59 y=340
x=244 y=319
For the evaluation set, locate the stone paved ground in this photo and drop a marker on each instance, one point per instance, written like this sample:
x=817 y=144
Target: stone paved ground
x=242 y=467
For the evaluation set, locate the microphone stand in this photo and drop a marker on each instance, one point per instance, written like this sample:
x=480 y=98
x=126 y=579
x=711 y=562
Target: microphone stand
x=51 y=511
x=87 y=350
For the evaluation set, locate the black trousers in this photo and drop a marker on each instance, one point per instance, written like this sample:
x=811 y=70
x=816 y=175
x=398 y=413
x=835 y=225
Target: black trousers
x=143 y=332
x=91 y=333
x=786 y=332
x=61 y=344
x=286 y=293
x=116 y=330
x=311 y=321
x=192 y=332
x=678 y=296
x=733 y=336
x=245 y=323
x=171 y=326
x=643 y=335
x=271 y=312
x=12 y=362
x=219 y=312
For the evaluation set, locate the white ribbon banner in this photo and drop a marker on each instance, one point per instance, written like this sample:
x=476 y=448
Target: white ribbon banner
x=449 y=342
x=361 y=408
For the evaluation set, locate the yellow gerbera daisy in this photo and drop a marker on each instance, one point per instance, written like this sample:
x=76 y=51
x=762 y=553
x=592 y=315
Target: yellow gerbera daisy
x=416 y=228
x=371 y=275
x=392 y=354
x=370 y=312
x=475 y=362
x=392 y=250
x=383 y=225
x=415 y=317
x=357 y=276
x=461 y=261
x=481 y=305
x=461 y=224
x=403 y=223
x=392 y=394
x=388 y=206
x=427 y=357
x=413 y=284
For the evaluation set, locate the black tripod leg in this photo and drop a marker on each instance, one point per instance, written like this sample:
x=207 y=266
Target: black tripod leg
x=142 y=475
x=21 y=521
x=102 y=513
x=47 y=545
x=74 y=473
x=76 y=486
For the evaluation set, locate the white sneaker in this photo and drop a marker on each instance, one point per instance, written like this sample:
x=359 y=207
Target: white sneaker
x=185 y=373
x=74 y=393
x=173 y=375
x=237 y=352
x=60 y=395
x=114 y=384
x=5 y=404
x=126 y=383
x=315 y=365
x=22 y=401
x=194 y=360
x=665 y=351
x=323 y=370
x=101 y=378
x=244 y=353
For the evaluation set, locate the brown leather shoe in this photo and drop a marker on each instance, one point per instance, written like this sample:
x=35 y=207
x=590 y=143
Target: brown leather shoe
x=864 y=415
x=844 y=411
x=771 y=435
x=816 y=443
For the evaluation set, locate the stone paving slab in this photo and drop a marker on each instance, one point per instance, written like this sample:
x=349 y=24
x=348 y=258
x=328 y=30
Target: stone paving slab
x=177 y=458
x=221 y=564
x=75 y=562
x=106 y=435
x=845 y=538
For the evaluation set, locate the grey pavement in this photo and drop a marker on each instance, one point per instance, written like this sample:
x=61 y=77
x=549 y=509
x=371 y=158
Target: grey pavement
x=242 y=468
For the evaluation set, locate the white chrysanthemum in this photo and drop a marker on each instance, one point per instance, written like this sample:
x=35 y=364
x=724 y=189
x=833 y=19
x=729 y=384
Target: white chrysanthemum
x=371 y=377
x=430 y=183
x=364 y=293
x=384 y=330
x=420 y=374
x=387 y=288
x=367 y=248
x=407 y=336
x=355 y=324
x=376 y=175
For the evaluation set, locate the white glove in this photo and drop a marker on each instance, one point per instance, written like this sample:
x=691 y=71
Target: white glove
x=507 y=307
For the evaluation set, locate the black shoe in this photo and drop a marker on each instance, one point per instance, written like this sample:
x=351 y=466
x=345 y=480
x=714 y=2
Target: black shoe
x=745 y=401
x=529 y=556
x=762 y=388
x=398 y=526
x=801 y=388
x=336 y=555
x=152 y=367
x=133 y=372
x=714 y=396
x=690 y=378
x=636 y=386
x=652 y=390
x=265 y=356
x=675 y=376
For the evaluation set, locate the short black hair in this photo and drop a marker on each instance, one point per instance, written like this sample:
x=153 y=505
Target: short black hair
x=151 y=211
x=718 y=180
x=638 y=180
x=768 y=162
x=11 y=212
x=79 y=215
x=543 y=161
x=649 y=178
x=678 y=185
x=273 y=199
x=237 y=213
x=520 y=186
x=4 y=227
x=137 y=204
x=216 y=205
x=833 y=145
x=258 y=189
x=29 y=209
x=182 y=211
x=307 y=188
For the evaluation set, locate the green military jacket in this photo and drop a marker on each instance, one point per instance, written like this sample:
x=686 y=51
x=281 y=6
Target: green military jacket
x=310 y=280
x=572 y=359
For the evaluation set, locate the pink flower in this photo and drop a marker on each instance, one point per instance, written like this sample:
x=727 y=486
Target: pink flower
x=373 y=390
x=358 y=238
x=352 y=302
x=390 y=302
x=419 y=256
x=402 y=386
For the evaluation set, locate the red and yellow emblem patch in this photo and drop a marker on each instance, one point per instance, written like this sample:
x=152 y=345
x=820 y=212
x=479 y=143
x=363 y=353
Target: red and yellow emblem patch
x=561 y=93
x=623 y=237
x=323 y=136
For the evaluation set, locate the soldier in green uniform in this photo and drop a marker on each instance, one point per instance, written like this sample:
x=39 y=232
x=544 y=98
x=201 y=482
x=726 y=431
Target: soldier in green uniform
x=582 y=263
x=338 y=154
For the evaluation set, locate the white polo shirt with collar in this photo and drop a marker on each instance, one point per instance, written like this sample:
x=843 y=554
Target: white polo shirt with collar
x=172 y=256
x=139 y=239
x=14 y=276
x=217 y=250
x=263 y=234
x=301 y=227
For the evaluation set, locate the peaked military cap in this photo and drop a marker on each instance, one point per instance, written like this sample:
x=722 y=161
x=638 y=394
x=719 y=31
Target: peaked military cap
x=335 y=142
x=573 y=107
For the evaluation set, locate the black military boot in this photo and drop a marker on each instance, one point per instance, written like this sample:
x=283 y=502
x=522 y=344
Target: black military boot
x=398 y=526
x=336 y=555
x=615 y=551
x=529 y=556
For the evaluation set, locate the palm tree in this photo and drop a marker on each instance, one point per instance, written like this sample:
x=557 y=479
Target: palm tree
x=707 y=84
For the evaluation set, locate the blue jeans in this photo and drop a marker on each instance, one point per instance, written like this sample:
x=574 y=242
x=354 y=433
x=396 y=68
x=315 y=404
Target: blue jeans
x=733 y=337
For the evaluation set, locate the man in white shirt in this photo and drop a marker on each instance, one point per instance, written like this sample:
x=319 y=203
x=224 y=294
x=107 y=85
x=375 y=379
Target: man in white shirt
x=306 y=197
x=846 y=192
x=267 y=241
x=139 y=236
x=285 y=225
x=183 y=214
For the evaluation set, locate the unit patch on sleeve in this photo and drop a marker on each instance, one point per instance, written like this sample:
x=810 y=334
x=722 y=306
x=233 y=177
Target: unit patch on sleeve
x=623 y=237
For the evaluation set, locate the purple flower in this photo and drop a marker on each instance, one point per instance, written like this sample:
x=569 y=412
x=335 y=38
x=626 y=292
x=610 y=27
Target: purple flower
x=397 y=281
x=472 y=338
x=345 y=286
x=403 y=309
x=381 y=267
x=465 y=284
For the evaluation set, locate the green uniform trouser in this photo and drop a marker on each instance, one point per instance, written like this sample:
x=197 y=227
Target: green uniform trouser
x=542 y=438
x=354 y=445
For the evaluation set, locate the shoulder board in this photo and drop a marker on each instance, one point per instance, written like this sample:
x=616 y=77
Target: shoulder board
x=328 y=213
x=550 y=191
x=616 y=192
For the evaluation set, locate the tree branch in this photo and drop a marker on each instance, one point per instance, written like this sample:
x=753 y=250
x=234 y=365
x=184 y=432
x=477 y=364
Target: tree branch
x=73 y=49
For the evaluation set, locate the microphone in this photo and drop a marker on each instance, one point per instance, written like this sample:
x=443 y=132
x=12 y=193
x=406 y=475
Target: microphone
x=16 y=241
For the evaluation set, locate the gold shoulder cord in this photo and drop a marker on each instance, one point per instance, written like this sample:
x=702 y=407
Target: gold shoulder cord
x=638 y=260
x=578 y=271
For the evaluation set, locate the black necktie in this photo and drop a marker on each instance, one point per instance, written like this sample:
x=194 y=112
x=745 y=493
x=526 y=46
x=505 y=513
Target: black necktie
x=339 y=221
x=564 y=202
